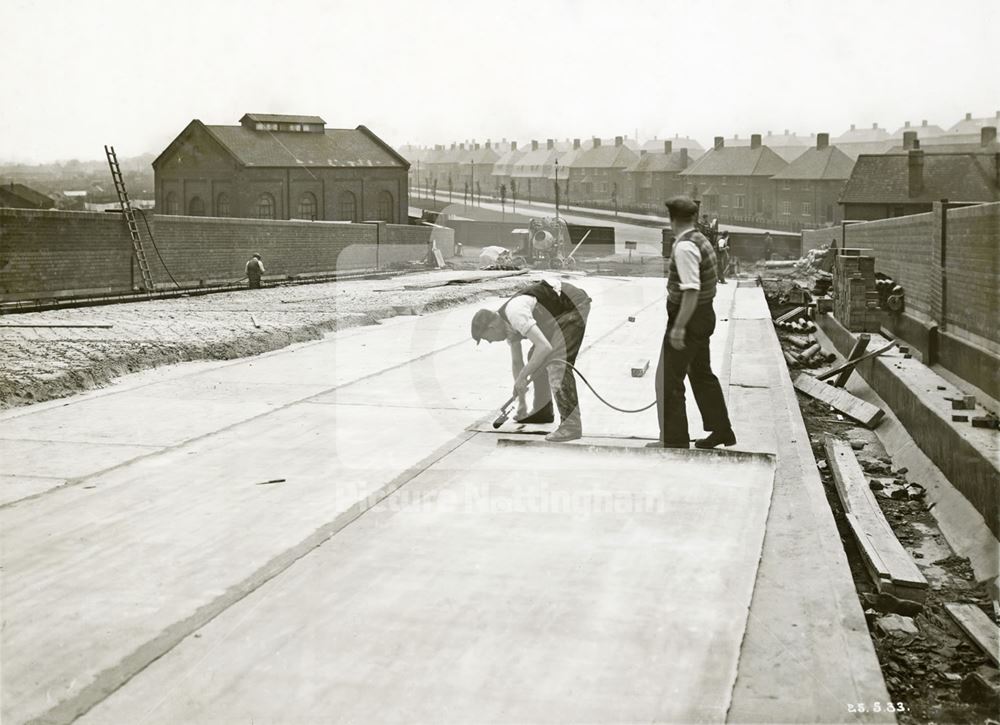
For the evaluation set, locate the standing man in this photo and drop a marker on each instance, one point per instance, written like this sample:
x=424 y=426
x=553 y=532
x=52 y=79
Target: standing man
x=552 y=315
x=255 y=268
x=768 y=246
x=723 y=257
x=691 y=282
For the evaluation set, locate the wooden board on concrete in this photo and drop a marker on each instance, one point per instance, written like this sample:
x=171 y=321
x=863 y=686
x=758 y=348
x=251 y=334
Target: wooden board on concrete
x=888 y=563
x=865 y=413
x=978 y=626
x=860 y=345
x=852 y=363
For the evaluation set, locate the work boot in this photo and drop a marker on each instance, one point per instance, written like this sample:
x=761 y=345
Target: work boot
x=717 y=438
x=545 y=414
x=563 y=434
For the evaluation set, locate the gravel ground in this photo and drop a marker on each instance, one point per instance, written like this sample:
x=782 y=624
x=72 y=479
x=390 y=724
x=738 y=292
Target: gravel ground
x=42 y=363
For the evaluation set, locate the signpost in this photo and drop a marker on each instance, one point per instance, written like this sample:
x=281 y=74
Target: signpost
x=630 y=246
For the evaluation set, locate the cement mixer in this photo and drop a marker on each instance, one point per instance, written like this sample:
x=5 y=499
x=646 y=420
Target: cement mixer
x=548 y=239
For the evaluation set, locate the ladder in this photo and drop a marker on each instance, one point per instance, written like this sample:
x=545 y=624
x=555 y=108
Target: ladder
x=133 y=228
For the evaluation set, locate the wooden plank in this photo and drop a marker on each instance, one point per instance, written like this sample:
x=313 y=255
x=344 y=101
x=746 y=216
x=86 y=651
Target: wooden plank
x=865 y=413
x=851 y=364
x=888 y=563
x=639 y=367
x=978 y=626
x=860 y=345
x=101 y=325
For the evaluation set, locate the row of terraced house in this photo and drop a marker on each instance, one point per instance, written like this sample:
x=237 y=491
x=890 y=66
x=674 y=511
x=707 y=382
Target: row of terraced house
x=785 y=180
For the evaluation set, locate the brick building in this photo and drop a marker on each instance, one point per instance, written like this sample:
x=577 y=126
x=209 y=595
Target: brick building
x=534 y=172
x=19 y=196
x=281 y=167
x=735 y=184
x=893 y=185
x=807 y=191
x=598 y=173
x=654 y=177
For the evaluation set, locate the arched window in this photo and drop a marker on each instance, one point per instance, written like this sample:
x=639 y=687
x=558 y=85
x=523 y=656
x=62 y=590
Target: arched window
x=196 y=207
x=172 y=207
x=307 y=207
x=347 y=207
x=386 y=207
x=222 y=205
x=265 y=206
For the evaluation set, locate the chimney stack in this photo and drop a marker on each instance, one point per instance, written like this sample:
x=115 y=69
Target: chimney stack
x=755 y=140
x=907 y=124
x=874 y=126
x=720 y=143
x=618 y=140
x=668 y=147
x=822 y=140
x=597 y=142
x=915 y=157
x=852 y=126
x=684 y=157
x=550 y=144
x=513 y=145
x=923 y=123
x=488 y=144
x=534 y=145
x=576 y=144
x=968 y=116
x=988 y=135
x=476 y=147
x=909 y=138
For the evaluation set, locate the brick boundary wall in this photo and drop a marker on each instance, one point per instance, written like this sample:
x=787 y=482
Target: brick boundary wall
x=63 y=253
x=951 y=314
x=49 y=254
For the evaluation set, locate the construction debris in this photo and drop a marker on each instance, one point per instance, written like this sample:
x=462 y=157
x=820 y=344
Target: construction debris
x=896 y=624
x=640 y=367
x=979 y=627
x=865 y=413
x=850 y=364
x=889 y=565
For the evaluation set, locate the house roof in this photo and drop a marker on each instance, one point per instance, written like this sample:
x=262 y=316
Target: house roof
x=884 y=179
x=605 y=157
x=282 y=118
x=972 y=125
x=854 y=149
x=924 y=130
x=862 y=135
x=968 y=147
x=679 y=142
x=35 y=198
x=335 y=147
x=828 y=163
x=542 y=158
x=505 y=164
x=740 y=161
x=653 y=163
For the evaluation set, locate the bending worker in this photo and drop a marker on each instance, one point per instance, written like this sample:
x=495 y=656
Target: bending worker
x=552 y=315
x=691 y=283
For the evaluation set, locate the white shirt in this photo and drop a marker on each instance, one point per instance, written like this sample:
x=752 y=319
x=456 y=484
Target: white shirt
x=687 y=261
x=520 y=309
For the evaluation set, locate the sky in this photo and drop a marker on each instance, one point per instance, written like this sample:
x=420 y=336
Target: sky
x=77 y=75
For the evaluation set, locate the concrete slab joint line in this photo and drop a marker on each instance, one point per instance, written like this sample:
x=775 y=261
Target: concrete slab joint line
x=161 y=450
x=110 y=680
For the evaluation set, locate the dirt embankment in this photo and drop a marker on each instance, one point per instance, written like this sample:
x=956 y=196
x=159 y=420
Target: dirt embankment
x=47 y=361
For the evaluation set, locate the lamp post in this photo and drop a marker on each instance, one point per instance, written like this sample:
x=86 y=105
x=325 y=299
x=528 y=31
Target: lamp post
x=557 y=189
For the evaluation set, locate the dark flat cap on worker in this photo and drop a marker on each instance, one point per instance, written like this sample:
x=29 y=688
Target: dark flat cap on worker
x=682 y=206
x=257 y=256
x=481 y=322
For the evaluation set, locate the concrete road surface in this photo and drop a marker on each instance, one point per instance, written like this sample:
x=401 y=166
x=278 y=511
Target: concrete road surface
x=252 y=539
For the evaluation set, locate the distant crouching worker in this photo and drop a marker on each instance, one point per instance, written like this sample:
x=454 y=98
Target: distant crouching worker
x=552 y=315
x=255 y=268
x=684 y=353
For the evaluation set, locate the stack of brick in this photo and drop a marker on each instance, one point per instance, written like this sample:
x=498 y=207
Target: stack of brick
x=855 y=297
